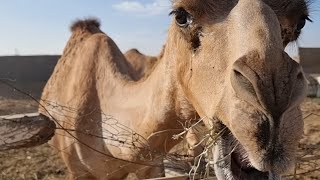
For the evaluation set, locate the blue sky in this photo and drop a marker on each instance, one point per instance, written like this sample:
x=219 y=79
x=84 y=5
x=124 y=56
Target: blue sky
x=42 y=26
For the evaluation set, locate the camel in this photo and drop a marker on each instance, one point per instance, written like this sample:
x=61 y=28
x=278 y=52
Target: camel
x=221 y=63
x=141 y=63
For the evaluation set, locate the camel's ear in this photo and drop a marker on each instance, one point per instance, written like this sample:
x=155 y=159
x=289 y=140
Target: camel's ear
x=25 y=130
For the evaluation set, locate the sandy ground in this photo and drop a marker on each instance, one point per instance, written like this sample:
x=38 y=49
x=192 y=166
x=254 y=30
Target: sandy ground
x=308 y=165
x=32 y=163
x=43 y=163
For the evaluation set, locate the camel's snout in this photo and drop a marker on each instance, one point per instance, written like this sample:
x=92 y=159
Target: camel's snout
x=274 y=83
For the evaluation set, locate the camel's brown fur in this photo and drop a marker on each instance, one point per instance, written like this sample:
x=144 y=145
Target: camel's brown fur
x=143 y=66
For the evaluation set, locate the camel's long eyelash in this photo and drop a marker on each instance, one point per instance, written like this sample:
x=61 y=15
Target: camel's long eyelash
x=307 y=17
x=176 y=11
x=173 y=12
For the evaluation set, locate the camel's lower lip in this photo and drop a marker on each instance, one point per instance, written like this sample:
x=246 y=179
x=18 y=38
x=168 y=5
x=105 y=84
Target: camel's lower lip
x=241 y=171
x=231 y=161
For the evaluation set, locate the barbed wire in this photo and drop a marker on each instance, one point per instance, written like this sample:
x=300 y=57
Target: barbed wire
x=116 y=133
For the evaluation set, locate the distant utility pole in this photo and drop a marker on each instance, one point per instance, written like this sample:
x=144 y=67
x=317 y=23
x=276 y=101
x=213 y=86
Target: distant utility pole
x=16 y=52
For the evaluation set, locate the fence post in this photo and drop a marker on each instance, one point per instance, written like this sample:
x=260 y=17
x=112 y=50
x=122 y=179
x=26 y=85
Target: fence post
x=25 y=130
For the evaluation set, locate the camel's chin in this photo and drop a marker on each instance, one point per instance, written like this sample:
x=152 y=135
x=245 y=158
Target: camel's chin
x=232 y=163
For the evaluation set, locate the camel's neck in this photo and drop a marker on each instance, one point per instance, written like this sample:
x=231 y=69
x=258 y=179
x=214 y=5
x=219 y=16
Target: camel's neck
x=147 y=107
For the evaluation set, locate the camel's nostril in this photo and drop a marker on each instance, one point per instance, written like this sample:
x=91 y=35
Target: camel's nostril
x=240 y=77
x=300 y=75
x=237 y=73
x=243 y=82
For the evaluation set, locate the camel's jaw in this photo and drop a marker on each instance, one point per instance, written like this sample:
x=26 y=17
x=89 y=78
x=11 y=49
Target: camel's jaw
x=231 y=161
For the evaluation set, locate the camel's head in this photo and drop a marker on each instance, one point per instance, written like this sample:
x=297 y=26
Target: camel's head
x=230 y=63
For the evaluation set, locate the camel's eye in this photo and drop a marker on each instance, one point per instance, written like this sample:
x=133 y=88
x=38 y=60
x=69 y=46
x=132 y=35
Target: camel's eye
x=183 y=18
x=302 y=22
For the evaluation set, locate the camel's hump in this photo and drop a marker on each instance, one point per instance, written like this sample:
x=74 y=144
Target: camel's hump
x=86 y=25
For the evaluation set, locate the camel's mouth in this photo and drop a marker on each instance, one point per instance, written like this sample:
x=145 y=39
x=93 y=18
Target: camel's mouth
x=231 y=161
x=242 y=169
